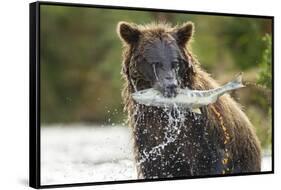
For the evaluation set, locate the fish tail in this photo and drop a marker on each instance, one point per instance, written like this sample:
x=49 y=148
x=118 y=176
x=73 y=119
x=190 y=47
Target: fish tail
x=232 y=85
x=237 y=82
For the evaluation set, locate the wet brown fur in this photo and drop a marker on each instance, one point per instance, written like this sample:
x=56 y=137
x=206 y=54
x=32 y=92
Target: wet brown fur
x=244 y=147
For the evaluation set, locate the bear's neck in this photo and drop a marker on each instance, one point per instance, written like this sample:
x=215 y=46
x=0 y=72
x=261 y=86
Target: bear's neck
x=165 y=136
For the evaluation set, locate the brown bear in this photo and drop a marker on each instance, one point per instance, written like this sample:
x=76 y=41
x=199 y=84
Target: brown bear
x=177 y=142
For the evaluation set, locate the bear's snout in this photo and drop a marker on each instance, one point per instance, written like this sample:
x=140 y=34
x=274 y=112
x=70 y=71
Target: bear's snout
x=170 y=88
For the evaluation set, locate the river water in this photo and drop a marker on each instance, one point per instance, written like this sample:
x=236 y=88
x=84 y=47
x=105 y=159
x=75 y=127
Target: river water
x=79 y=153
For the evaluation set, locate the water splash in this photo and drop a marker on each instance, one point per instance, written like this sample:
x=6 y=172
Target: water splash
x=176 y=118
x=136 y=113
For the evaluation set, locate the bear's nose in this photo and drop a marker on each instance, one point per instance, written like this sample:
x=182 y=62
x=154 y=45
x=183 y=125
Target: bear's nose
x=170 y=89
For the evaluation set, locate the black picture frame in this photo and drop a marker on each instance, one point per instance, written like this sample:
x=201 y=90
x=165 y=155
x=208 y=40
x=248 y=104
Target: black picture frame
x=34 y=92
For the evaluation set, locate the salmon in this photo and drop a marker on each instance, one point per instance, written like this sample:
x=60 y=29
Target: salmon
x=186 y=98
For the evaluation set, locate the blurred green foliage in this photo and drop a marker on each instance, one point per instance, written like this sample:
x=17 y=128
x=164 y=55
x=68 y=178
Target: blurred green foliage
x=81 y=60
x=265 y=76
x=265 y=79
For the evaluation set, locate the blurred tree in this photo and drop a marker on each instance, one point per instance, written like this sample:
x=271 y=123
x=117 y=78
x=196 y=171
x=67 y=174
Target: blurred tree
x=265 y=75
x=242 y=36
x=265 y=79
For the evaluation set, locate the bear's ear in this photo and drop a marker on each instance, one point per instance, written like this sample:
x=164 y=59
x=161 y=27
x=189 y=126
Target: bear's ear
x=128 y=32
x=183 y=33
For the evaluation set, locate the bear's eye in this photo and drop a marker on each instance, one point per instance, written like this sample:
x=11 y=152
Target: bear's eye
x=175 y=64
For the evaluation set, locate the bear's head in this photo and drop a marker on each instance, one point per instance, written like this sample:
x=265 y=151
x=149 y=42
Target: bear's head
x=156 y=55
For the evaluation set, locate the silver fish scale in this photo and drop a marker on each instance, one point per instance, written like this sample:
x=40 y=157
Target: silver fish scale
x=186 y=98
